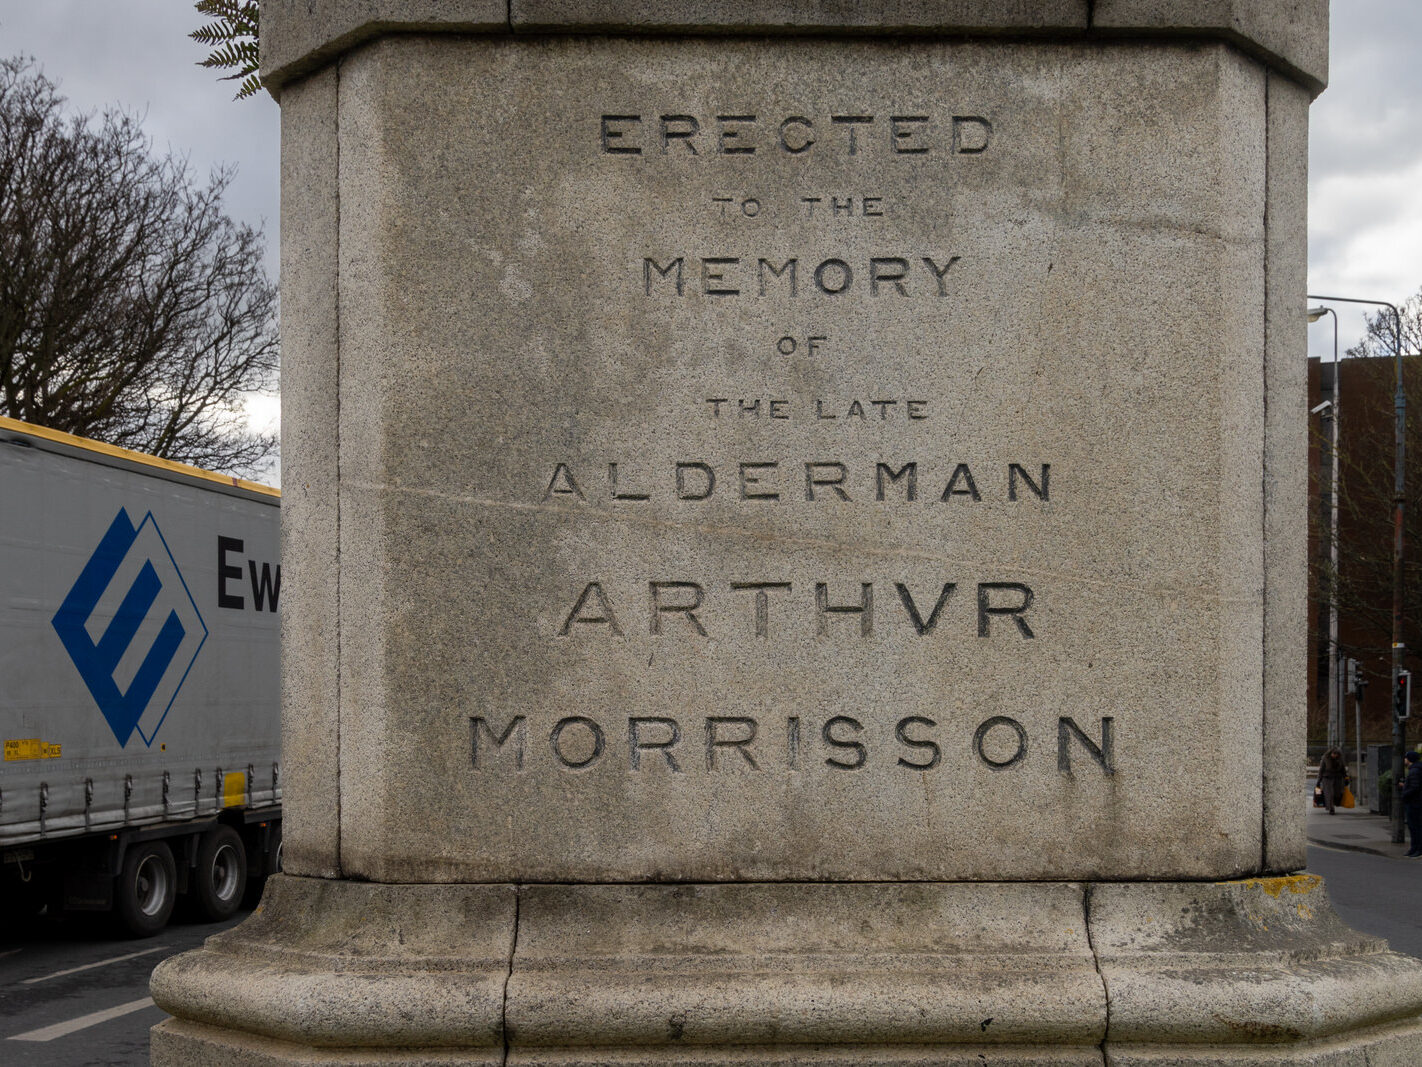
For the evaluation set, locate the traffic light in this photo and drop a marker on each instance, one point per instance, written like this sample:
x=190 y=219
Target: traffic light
x=1357 y=681
x=1402 y=698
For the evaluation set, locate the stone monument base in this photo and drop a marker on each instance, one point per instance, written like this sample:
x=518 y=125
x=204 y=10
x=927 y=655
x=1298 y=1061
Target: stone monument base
x=1258 y=971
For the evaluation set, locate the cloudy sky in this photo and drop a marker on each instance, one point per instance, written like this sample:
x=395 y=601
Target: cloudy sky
x=1365 y=162
x=1365 y=204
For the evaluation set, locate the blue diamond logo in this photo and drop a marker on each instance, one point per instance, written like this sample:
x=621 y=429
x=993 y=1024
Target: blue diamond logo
x=131 y=627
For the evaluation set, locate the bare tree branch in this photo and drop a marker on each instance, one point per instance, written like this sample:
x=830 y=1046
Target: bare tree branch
x=132 y=309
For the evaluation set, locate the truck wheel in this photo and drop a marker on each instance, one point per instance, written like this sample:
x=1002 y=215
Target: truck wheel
x=146 y=889
x=221 y=874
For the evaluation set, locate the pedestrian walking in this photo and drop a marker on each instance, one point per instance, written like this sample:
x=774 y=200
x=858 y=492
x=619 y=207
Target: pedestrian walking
x=1412 y=801
x=1331 y=774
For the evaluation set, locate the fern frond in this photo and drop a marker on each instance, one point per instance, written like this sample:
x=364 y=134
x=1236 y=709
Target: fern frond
x=233 y=40
x=212 y=33
x=240 y=55
x=251 y=86
x=224 y=9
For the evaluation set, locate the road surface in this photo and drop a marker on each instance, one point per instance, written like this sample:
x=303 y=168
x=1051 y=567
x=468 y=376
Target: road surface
x=72 y=994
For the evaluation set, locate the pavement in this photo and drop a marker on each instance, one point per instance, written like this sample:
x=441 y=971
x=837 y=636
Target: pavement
x=1354 y=829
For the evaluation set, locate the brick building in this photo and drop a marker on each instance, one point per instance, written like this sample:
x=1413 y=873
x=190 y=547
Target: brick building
x=1365 y=528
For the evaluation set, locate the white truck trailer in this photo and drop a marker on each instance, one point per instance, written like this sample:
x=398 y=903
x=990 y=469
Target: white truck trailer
x=139 y=689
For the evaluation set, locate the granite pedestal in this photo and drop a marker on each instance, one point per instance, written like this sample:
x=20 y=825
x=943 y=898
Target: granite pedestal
x=795 y=526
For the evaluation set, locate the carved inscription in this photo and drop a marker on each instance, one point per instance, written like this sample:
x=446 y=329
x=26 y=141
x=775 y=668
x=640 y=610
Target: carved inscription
x=835 y=462
x=847 y=206
x=905 y=136
x=811 y=481
x=712 y=744
x=679 y=606
x=791 y=277
x=821 y=410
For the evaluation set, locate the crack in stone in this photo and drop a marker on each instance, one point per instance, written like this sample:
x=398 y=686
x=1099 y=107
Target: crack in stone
x=1087 y=891
x=508 y=977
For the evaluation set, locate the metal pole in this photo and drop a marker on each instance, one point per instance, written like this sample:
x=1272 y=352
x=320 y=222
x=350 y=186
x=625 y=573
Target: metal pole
x=1358 y=749
x=1335 y=416
x=1337 y=733
x=1399 y=725
x=1399 y=408
x=1337 y=707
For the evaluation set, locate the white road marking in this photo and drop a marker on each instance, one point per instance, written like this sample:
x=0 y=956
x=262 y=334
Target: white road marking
x=10 y=952
x=49 y=1033
x=91 y=966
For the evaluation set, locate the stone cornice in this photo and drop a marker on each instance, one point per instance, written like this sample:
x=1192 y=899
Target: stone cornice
x=1291 y=36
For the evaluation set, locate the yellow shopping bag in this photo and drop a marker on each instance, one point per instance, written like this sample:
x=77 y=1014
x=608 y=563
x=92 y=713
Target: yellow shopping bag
x=1347 y=801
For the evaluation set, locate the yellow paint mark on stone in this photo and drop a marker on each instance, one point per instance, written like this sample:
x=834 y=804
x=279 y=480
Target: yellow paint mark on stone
x=1275 y=887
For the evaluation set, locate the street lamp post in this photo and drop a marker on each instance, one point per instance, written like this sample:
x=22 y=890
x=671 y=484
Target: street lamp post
x=1399 y=407
x=1336 y=730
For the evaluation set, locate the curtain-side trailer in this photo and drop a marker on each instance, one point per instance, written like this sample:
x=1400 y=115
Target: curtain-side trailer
x=139 y=688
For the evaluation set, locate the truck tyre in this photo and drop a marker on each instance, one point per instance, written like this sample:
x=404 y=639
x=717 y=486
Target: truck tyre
x=146 y=889
x=221 y=875
x=263 y=866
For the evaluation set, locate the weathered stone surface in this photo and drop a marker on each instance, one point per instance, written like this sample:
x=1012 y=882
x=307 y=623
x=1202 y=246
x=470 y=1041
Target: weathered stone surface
x=876 y=965
x=803 y=536
x=299 y=36
x=513 y=337
x=1285 y=479
x=892 y=16
x=1291 y=33
x=310 y=610
x=1242 y=973
x=195 y=1045
x=328 y=963
x=1258 y=963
